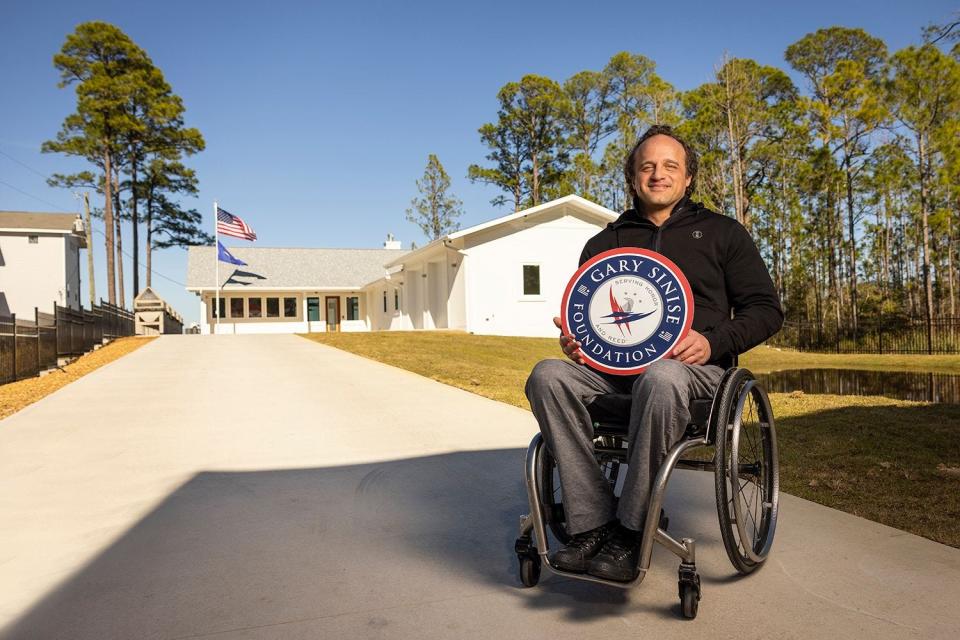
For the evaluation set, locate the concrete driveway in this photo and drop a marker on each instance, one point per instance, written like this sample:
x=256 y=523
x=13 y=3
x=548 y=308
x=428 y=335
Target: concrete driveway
x=270 y=487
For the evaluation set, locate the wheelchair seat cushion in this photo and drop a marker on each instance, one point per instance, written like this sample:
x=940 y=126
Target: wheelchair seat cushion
x=611 y=412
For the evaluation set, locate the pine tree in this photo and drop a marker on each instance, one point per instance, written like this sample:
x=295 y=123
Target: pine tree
x=436 y=210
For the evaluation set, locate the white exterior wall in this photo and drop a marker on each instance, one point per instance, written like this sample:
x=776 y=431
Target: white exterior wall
x=456 y=291
x=393 y=319
x=496 y=304
x=432 y=293
x=37 y=275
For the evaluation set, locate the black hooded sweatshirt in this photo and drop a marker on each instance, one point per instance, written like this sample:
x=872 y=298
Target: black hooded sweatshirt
x=723 y=265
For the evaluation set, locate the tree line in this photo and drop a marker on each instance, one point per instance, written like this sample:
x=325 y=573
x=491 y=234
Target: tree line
x=849 y=183
x=129 y=126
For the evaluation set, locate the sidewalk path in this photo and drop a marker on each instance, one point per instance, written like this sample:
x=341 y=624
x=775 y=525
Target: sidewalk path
x=271 y=487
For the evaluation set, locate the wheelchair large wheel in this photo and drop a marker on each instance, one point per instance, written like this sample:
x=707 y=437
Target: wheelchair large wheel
x=551 y=493
x=747 y=475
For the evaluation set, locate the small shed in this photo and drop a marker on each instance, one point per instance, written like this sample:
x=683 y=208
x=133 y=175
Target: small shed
x=154 y=316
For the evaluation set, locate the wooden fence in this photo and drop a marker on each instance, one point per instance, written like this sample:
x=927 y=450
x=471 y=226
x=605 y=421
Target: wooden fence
x=31 y=345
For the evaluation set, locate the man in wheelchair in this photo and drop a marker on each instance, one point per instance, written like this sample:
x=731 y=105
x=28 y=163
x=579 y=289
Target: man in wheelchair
x=736 y=307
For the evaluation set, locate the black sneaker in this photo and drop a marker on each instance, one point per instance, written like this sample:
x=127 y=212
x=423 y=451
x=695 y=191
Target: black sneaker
x=618 y=558
x=576 y=555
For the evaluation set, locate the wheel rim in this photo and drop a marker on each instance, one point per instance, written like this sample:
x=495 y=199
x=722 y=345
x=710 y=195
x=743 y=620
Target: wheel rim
x=752 y=474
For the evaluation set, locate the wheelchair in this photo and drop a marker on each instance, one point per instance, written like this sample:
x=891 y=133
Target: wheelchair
x=737 y=423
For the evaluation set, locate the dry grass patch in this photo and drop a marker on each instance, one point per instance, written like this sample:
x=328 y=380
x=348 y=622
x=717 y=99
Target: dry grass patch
x=17 y=395
x=892 y=461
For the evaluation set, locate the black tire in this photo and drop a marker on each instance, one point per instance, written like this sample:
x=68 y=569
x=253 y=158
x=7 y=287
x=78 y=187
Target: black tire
x=529 y=569
x=551 y=493
x=689 y=600
x=747 y=475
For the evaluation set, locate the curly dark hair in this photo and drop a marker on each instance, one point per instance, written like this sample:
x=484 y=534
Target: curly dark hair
x=630 y=171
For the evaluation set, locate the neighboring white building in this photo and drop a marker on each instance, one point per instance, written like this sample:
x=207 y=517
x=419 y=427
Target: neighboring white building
x=39 y=261
x=502 y=277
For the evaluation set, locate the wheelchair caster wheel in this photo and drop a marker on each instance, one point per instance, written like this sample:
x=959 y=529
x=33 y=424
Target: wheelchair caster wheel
x=529 y=561
x=529 y=569
x=689 y=600
x=689 y=589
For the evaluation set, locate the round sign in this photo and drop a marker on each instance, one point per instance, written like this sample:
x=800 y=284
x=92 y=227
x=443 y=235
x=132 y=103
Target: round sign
x=627 y=308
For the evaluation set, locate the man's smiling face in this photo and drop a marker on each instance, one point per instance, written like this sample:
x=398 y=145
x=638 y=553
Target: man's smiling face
x=661 y=178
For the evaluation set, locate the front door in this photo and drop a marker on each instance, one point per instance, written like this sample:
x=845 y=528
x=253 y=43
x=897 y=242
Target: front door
x=333 y=313
x=313 y=309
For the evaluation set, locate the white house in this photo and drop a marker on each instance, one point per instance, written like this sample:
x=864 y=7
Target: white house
x=502 y=277
x=39 y=261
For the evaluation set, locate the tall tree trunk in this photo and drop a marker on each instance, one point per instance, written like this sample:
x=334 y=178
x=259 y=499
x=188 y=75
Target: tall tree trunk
x=149 y=247
x=951 y=276
x=108 y=223
x=535 y=186
x=735 y=160
x=121 y=293
x=136 y=231
x=884 y=283
x=925 y=223
x=854 y=311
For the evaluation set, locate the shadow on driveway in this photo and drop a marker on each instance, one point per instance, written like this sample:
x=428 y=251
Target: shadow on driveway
x=231 y=551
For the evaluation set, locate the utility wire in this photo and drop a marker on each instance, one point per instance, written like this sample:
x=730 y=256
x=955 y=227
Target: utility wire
x=59 y=208
x=38 y=198
x=25 y=166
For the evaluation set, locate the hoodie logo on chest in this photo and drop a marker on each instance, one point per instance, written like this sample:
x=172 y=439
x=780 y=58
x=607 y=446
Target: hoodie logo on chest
x=698 y=234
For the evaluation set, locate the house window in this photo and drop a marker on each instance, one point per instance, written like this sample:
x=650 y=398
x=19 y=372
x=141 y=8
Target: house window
x=255 y=307
x=221 y=313
x=353 y=308
x=384 y=301
x=531 y=279
x=33 y=239
x=396 y=299
x=289 y=307
x=236 y=307
x=273 y=307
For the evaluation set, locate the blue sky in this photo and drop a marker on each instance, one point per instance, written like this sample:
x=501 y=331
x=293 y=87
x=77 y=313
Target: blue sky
x=319 y=117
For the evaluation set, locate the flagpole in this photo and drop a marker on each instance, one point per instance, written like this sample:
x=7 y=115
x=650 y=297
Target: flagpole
x=216 y=256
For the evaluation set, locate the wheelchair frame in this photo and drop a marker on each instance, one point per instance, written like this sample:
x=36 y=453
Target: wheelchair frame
x=736 y=388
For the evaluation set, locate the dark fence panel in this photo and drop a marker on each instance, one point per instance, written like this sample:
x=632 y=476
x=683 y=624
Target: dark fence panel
x=71 y=331
x=47 y=330
x=8 y=350
x=29 y=346
x=886 y=334
x=117 y=322
x=28 y=355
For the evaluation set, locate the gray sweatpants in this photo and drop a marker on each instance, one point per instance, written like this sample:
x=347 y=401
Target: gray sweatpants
x=559 y=390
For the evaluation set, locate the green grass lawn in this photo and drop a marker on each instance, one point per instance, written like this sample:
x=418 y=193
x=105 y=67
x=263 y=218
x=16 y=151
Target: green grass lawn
x=892 y=461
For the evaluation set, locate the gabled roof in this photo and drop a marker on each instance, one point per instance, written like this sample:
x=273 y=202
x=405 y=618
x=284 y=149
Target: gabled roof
x=148 y=294
x=575 y=202
x=38 y=221
x=582 y=205
x=281 y=268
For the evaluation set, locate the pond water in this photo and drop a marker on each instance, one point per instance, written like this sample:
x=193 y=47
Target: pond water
x=928 y=387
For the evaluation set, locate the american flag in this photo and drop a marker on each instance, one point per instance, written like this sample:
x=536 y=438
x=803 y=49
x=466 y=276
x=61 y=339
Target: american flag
x=230 y=225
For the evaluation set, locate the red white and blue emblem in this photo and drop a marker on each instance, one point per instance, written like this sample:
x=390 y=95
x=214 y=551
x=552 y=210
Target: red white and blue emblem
x=628 y=308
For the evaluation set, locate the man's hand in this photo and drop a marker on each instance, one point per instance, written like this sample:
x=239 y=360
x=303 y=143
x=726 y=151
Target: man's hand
x=571 y=348
x=693 y=349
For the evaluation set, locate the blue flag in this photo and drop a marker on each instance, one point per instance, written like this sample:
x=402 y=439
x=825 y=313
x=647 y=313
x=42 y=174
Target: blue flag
x=225 y=256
